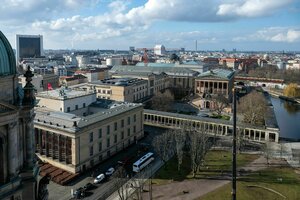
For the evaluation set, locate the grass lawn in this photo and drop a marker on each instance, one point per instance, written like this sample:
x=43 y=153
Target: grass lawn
x=216 y=162
x=282 y=180
x=224 y=117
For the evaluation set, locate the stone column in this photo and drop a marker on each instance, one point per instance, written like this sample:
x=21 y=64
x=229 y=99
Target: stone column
x=59 y=150
x=40 y=141
x=73 y=151
x=46 y=144
x=12 y=149
x=53 y=149
x=65 y=149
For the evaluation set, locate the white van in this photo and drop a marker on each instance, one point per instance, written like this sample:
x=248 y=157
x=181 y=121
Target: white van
x=99 y=178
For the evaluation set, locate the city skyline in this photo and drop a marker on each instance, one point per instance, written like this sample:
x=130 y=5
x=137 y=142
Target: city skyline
x=102 y=24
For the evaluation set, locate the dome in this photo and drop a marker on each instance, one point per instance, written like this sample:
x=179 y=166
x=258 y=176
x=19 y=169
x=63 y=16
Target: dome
x=7 y=57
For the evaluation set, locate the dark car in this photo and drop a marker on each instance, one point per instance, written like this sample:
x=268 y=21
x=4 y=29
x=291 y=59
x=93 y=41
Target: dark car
x=88 y=186
x=79 y=193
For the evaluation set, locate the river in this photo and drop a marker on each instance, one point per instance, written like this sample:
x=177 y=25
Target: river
x=288 y=118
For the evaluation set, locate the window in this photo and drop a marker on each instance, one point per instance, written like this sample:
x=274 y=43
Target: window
x=91 y=137
x=134 y=117
x=128 y=132
x=108 y=91
x=107 y=142
x=128 y=120
x=115 y=139
x=91 y=150
x=92 y=162
x=122 y=135
x=100 y=146
x=83 y=105
x=76 y=107
x=134 y=129
x=68 y=109
x=100 y=133
x=108 y=130
x=116 y=126
x=122 y=123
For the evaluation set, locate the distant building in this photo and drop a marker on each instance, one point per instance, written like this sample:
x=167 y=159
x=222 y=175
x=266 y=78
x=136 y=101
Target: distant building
x=213 y=82
x=91 y=132
x=113 y=61
x=50 y=81
x=29 y=46
x=156 y=82
x=181 y=80
x=159 y=49
x=83 y=60
x=72 y=80
x=94 y=74
x=60 y=71
x=120 y=89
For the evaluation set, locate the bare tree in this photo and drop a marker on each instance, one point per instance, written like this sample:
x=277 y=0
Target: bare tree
x=199 y=146
x=119 y=180
x=164 y=145
x=162 y=100
x=267 y=150
x=241 y=141
x=180 y=139
x=220 y=102
x=253 y=107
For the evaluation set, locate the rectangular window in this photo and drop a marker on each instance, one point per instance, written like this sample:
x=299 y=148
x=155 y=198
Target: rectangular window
x=83 y=105
x=116 y=126
x=68 y=109
x=122 y=123
x=122 y=135
x=76 y=107
x=134 y=117
x=108 y=130
x=100 y=146
x=91 y=151
x=128 y=132
x=91 y=137
x=128 y=121
x=108 y=142
x=116 y=138
x=100 y=133
x=134 y=129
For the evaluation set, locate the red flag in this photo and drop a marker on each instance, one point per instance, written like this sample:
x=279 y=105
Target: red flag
x=49 y=86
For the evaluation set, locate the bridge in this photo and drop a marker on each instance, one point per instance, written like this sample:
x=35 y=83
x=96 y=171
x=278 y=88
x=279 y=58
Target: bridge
x=215 y=127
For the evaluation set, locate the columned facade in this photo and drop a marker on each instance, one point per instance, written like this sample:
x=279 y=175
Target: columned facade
x=212 y=127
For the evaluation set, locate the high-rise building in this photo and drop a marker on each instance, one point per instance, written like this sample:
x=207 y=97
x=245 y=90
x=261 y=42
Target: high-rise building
x=29 y=46
x=18 y=170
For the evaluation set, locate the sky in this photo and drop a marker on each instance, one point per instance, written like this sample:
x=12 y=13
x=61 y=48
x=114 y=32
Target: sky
x=252 y=25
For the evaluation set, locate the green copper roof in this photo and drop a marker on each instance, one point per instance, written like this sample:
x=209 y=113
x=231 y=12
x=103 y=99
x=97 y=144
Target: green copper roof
x=218 y=73
x=7 y=57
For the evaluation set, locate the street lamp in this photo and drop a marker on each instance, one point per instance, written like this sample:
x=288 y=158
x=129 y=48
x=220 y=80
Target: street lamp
x=233 y=192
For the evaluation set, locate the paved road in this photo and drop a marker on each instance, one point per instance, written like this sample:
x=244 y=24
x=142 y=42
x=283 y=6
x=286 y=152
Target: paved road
x=58 y=192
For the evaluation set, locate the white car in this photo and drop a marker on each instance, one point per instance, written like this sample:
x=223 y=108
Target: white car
x=99 y=178
x=110 y=171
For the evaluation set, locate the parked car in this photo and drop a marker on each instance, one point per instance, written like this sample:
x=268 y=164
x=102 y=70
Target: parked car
x=99 y=178
x=79 y=193
x=88 y=186
x=110 y=171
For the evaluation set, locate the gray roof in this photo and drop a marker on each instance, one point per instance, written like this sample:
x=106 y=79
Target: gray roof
x=171 y=71
x=72 y=123
x=218 y=73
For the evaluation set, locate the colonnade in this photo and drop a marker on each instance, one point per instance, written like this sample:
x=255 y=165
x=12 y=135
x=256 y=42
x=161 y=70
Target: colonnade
x=210 y=126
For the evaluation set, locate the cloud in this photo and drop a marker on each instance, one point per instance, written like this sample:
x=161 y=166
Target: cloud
x=68 y=22
x=272 y=34
x=251 y=8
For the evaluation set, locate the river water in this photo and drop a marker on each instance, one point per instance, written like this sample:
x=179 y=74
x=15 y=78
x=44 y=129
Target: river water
x=288 y=118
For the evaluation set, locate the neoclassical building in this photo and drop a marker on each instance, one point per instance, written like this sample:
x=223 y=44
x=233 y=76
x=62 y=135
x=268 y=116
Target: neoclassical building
x=211 y=83
x=18 y=170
